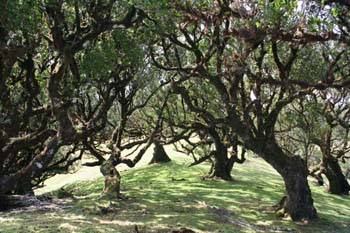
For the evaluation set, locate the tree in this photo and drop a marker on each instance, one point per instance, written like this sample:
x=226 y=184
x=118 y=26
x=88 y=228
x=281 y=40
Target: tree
x=145 y=118
x=196 y=136
x=50 y=112
x=159 y=154
x=73 y=75
x=333 y=142
x=313 y=122
x=246 y=53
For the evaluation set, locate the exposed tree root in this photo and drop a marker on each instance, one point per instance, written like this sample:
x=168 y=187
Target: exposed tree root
x=21 y=203
x=227 y=216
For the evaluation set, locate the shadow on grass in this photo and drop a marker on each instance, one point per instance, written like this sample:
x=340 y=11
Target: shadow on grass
x=170 y=196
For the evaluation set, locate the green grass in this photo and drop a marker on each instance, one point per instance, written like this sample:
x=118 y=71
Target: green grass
x=156 y=203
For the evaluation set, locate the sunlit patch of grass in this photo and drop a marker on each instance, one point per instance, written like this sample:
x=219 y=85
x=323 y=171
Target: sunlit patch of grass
x=162 y=197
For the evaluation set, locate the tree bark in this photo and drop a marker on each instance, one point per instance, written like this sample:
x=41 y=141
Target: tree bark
x=222 y=165
x=24 y=187
x=298 y=202
x=159 y=154
x=112 y=179
x=338 y=183
x=34 y=168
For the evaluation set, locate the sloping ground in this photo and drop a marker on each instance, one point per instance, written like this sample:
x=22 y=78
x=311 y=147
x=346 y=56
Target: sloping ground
x=166 y=197
x=91 y=173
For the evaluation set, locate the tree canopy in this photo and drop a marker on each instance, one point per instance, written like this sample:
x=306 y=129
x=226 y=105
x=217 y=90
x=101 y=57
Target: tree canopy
x=215 y=78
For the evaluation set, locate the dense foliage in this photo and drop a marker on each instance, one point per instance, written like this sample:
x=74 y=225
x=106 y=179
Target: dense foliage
x=216 y=78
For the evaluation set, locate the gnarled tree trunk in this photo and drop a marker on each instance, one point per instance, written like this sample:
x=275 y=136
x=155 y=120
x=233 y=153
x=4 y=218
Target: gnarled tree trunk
x=24 y=187
x=112 y=179
x=298 y=202
x=222 y=166
x=338 y=183
x=159 y=154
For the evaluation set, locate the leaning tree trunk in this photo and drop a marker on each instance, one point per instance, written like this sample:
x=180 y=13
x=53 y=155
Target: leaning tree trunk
x=338 y=183
x=159 y=154
x=298 y=202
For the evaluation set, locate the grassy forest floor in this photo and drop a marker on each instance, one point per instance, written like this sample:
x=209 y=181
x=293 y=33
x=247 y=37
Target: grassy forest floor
x=167 y=197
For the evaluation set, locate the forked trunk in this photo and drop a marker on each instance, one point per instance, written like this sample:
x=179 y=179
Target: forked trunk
x=338 y=183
